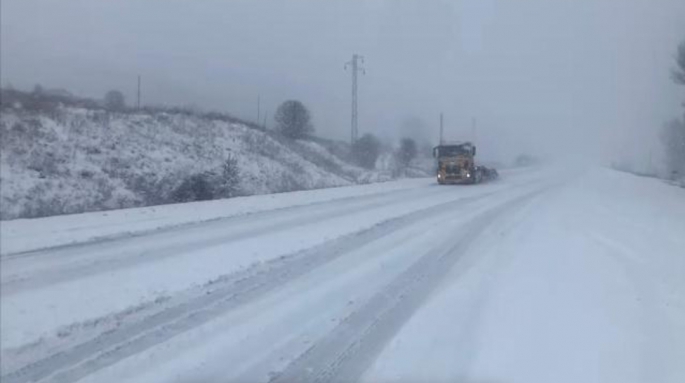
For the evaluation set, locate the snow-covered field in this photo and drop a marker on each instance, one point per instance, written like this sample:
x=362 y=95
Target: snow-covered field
x=73 y=160
x=541 y=276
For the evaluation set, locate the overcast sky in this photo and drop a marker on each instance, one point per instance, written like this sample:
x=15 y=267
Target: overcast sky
x=536 y=75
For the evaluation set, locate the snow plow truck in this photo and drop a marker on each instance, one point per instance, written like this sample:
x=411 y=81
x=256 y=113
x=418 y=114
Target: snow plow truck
x=456 y=164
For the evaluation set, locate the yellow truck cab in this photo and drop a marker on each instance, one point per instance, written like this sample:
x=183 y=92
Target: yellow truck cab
x=456 y=164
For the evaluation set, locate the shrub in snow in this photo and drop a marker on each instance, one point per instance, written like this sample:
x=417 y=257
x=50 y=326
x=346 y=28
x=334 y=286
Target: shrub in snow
x=173 y=188
x=197 y=187
x=228 y=182
x=150 y=189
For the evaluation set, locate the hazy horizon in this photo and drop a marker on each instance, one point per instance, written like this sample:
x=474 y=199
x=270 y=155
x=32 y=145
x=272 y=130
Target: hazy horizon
x=587 y=78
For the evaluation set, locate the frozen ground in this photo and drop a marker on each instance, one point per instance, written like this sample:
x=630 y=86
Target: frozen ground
x=542 y=276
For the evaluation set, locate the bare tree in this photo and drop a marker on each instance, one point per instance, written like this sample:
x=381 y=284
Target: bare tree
x=673 y=133
x=229 y=178
x=114 y=100
x=673 y=138
x=293 y=120
x=678 y=74
x=407 y=152
x=365 y=151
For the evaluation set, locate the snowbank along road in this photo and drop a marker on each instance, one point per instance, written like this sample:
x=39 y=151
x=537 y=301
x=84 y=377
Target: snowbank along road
x=541 y=276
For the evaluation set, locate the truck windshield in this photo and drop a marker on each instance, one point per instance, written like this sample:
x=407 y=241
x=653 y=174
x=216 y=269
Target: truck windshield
x=453 y=151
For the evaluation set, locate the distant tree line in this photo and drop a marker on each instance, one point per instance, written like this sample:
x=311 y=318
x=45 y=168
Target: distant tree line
x=293 y=121
x=49 y=101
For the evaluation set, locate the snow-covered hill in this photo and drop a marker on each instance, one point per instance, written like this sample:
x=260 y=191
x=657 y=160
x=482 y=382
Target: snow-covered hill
x=73 y=159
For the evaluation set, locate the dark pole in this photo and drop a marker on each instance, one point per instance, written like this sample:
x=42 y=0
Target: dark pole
x=138 y=99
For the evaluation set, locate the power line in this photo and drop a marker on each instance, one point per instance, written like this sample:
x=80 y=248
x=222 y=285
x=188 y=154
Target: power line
x=356 y=68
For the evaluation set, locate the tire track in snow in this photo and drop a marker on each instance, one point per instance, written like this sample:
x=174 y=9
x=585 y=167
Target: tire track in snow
x=350 y=349
x=189 y=225
x=224 y=295
x=55 y=274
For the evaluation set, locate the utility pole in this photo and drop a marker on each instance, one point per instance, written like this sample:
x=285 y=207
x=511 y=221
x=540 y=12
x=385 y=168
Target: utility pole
x=441 y=129
x=474 y=129
x=138 y=100
x=259 y=101
x=356 y=68
x=266 y=113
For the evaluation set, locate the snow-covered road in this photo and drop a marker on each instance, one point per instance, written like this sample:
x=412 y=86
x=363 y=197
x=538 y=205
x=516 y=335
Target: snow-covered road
x=541 y=276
